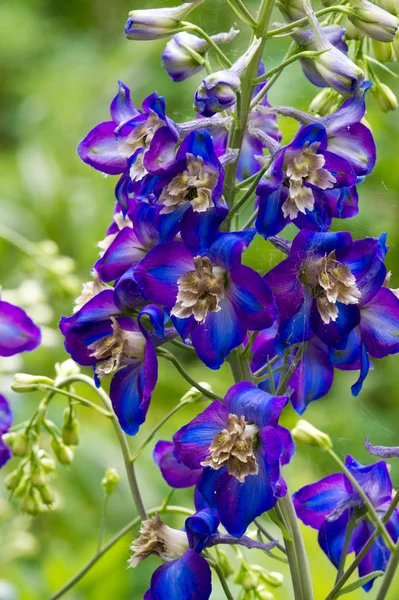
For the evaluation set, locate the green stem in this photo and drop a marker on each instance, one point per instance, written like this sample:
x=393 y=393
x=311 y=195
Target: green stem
x=369 y=505
x=250 y=191
x=242 y=12
x=288 y=61
x=102 y=522
x=80 y=399
x=289 y=372
x=345 y=549
x=171 y=358
x=222 y=57
x=352 y=568
x=157 y=427
x=269 y=536
x=158 y=510
x=389 y=574
x=305 y=21
x=239 y=366
x=130 y=471
x=259 y=97
x=222 y=578
x=250 y=221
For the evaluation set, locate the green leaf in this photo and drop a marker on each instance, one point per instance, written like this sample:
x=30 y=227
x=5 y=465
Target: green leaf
x=359 y=583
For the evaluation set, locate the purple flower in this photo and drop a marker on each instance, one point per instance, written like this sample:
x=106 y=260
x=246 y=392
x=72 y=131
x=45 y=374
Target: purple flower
x=322 y=285
x=201 y=282
x=155 y=23
x=176 y=474
x=196 y=178
x=98 y=336
x=126 y=145
x=18 y=333
x=241 y=446
x=185 y=574
x=302 y=184
x=312 y=377
x=330 y=504
x=5 y=424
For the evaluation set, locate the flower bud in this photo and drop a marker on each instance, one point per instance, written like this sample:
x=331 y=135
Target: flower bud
x=46 y=462
x=262 y=593
x=273 y=578
x=338 y=71
x=63 y=453
x=22 y=487
x=47 y=494
x=374 y=21
x=225 y=564
x=12 y=480
x=157 y=23
x=110 y=481
x=24 y=382
x=325 y=102
x=352 y=32
x=391 y=6
x=218 y=91
x=31 y=503
x=38 y=477
x=385 y=97
x=18 y=442
x=68 y=368
x=70 y=429
x=305 y=433
x=194 y=395
x=184 y=54
x=291 y=9
x=247 y=577
x=383 y=51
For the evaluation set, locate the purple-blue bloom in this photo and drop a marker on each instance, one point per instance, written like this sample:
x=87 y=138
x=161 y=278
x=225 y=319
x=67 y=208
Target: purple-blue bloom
x=99 y=336
x=201 y=282
x=5 y=424
x=331 y=503
x=241 y=447
x=18 y=333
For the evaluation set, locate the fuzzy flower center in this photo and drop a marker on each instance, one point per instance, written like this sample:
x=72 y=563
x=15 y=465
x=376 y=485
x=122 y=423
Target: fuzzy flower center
x=331 y=282
x=195 y=184
x=140 y=139
x=199 y=291
x=301 y=167
x=117 y=350
x=233 y=448
x=157 y=538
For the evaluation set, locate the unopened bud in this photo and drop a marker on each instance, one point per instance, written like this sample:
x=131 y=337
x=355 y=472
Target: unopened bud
x=38 y=477
x=352 y=32
x=383 y=51
x=325 y=102
x=12 y=480
x=385 y=97
x=246 y=577
x=225 y=564
x=18 y=442
x=262 y=593
x=68 y=368
x=291 y=9
x=392 y=6
x=194 y=395
x=63 y=453
x=337 y=70
x=31 y=503
x=70 y=429
x=273 y=578
x=156 y=23
x=47 y=494
x=48 y=464
x=24 y=382
x=375 y=22
x=22 y=487
x=110 y=481
x=305 y=433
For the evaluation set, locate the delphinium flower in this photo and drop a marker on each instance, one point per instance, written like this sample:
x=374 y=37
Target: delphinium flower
x=202 y=284
x=157 y=23
x=18 y=333
x=99 y=336
x=332 y=505
x=241 y=447
x=5 y=424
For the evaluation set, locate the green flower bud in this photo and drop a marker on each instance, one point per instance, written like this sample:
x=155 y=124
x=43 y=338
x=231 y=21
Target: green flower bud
x=12 y=480
x=66 y=369
x=262 y=593
x=70 y=429
x=48 y=464
x=383 y=52
x=246 y=577
x=352 y=32
x=374 y=21
x=22 y=487
x=385 y=97
x=110 y=480
x=325 y=102
x=20 y=444
x=24 y=382
x=392 y=6
x=47 y=494
x=38 y=477
x=273 y=578
x=194 y=395
x=63 y=453
x=31 y=503
x=305 y=433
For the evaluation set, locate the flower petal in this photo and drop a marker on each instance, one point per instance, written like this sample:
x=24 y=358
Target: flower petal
x=121 y=107
x=99 y=149
x=356 y=144
x=379 y=324
x=125 y=251
x=332 y=537
x=315 y=501
x=200 y=527
x=286 y=287
x=18 y=333
x=252 y=298
x=188 y=577
x=246 y=399
x=176 y=474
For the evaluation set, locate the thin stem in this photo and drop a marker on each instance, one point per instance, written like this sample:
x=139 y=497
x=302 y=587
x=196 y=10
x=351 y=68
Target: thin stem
x=262 y=93
x=263 y=370
x=345 y=549
x=241 y=11
x=171 y=358
x=102 y=522
x=389 y=574
x=76 y=578
x=239 y=366
x=222 y=578
x=296 y=551
x=243 y=184
x=250 y=221
x=157 y=427
x=288 y=374
x=251 y=190
x=222 y=57
x=182 y=345
x=305 y=20
x=80 y=399
x=269 y=536
x=130 y=471
x=370 y=508
x=288 y=61
x=352 y=568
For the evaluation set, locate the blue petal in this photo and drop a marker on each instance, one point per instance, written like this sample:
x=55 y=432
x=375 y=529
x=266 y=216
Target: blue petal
x=332 y=538
x=157 y=318
x=379 y=324
x=246 y=399
x=364 y=371
x=336 y=333
x=122 y=108
x=176 y=474
x=315 y=501
x=270 y=219
x=200 y=527
x=189 y=577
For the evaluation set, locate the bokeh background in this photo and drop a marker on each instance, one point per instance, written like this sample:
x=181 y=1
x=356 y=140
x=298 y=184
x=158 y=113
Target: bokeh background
x=59 y=65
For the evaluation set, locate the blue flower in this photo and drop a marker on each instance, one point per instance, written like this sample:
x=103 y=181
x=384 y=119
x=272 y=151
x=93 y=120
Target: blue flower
x=18 y=333
x=331 y=503
x=5 y=424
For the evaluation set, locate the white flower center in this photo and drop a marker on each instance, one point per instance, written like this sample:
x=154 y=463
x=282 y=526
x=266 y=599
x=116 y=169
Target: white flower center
x=195 y=185
x=233 y=448
x=199 y=291
x=331 y=282
x=300 y=167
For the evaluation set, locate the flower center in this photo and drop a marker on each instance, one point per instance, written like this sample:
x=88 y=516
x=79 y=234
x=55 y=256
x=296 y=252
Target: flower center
x=117 y=349
x=300 y=167
x=139 y=138
x=330 y=282
x=157 y=538
x=195 y=184
x=199 y=291
x=233 y=448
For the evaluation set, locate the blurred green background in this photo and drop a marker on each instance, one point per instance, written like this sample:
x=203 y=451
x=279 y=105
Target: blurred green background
x=59 y=66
